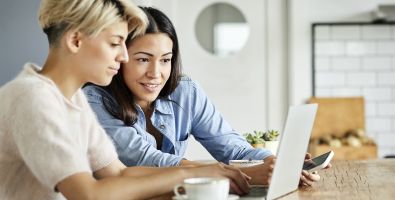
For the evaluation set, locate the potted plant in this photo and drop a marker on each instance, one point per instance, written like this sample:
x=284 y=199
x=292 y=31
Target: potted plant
x=267 y=140
x=271 y=142
x=255 y=139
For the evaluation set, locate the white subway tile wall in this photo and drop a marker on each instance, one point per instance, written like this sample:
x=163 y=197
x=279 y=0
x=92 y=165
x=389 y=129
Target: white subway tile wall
x=346 y=63
x=359 y=48
x=386 y=78
x=346 y=91
x=323 y=32
x=386 y=139
x=377 y=63
x=322 y=63
x=328 y=79
x=386 y=47
x=370 y=109
x=359 y=60
x=378 y=124
x=322 y=92
x=345 y=32
x=374 y=32
x=387 y=109
x=361 y=79
x=330 y=48
x=377 y=94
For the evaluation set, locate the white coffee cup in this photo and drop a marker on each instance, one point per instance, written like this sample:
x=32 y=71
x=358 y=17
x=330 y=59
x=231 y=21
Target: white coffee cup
x=203 y=188
x=244 y=163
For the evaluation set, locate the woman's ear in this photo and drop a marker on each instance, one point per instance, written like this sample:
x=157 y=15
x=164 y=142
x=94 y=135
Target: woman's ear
x=73 y=40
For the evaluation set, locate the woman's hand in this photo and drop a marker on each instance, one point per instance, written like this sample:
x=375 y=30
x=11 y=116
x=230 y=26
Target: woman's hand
x=261 y=174
x=238 y=179
x=308 y=179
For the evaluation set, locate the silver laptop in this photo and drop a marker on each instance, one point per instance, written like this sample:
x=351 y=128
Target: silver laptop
x=290 y=154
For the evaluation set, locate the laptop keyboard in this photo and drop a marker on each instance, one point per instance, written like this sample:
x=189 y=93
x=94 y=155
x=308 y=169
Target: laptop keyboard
x=257 y=191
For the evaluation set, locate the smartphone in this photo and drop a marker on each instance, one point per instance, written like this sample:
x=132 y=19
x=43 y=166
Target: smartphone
x=318 y=162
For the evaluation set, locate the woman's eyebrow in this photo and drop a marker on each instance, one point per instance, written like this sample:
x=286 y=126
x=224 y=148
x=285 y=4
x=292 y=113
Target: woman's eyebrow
x=142 y=52
x=121 y=37
x=167 y=53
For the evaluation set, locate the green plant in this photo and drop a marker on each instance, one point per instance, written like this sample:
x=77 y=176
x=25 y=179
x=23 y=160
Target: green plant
x=255 y=137
x=259 y=137
x=270 y=135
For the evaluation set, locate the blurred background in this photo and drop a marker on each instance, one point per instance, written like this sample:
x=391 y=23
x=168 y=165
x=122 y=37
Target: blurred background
x=254 y=58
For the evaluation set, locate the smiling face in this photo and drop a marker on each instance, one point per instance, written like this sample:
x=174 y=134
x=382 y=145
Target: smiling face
x=149 y=67
x=100 y=56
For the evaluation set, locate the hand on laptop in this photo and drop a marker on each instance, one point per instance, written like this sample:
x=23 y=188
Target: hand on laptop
x=238 y=180
x=260 y=174
x=308 y=179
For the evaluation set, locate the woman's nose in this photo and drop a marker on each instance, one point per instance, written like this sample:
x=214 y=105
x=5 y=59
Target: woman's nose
x=123 y=56
x=154 y=70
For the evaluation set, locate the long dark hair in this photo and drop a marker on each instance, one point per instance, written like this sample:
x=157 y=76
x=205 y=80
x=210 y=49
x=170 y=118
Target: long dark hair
x=125 y=107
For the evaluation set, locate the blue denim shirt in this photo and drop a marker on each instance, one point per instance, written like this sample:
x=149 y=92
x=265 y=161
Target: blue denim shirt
x=192 y=114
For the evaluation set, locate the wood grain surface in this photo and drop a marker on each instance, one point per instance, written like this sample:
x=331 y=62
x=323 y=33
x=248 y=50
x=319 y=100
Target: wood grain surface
x=365 y=179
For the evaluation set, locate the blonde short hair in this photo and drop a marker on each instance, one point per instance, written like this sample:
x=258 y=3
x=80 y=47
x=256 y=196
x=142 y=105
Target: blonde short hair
x=88 y=16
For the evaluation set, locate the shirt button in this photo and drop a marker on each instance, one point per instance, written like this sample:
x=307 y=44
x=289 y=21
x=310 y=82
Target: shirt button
x=162 y=126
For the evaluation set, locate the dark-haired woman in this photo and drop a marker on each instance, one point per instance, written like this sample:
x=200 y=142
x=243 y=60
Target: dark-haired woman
x=150 y=109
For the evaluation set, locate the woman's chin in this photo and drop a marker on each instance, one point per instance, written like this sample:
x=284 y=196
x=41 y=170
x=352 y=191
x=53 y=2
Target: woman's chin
x=102 y=82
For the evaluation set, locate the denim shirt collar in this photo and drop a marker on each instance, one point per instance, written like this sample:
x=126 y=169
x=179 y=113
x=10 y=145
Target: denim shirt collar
x=163 y=121
x=163 y=106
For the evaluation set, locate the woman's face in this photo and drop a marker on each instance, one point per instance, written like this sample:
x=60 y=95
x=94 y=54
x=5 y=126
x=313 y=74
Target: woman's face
x=149 y=66
x=100 y=57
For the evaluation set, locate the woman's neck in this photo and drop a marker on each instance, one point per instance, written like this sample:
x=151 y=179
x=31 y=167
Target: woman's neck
x=61 y=74
x=147 y=108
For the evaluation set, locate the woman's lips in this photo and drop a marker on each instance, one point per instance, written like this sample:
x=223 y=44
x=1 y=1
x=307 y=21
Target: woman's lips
x=151 y=87
x=114 y=70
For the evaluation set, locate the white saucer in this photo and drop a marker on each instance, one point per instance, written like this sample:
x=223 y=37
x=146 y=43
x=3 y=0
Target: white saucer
x=230 y=197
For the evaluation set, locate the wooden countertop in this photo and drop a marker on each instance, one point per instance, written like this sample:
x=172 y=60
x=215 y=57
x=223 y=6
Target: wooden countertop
x=366 y=179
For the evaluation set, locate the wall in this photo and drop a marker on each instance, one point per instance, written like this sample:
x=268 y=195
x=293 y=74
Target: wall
x=302 y=13
x=212 y=15
x=249 y=88
x=235 y=84
x=21 y=38
x=359 y=60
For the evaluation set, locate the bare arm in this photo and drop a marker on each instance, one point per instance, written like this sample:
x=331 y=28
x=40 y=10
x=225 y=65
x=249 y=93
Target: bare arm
x=108 y=186
x=143 y=171
x=185 y=162
x=260 y=174
x=118 y=182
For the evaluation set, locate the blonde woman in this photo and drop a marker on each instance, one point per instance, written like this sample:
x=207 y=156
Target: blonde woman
x=51 y=145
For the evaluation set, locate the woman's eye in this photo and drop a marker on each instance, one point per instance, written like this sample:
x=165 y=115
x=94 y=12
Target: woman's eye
x=115 y=44
x=166 y=60
x=142 y=59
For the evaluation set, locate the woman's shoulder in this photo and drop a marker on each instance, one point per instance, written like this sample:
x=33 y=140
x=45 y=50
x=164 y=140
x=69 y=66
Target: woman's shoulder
x=93 y=89
x=187 y=89
x=94 y=92
x=29 y=88
x=187 y=83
